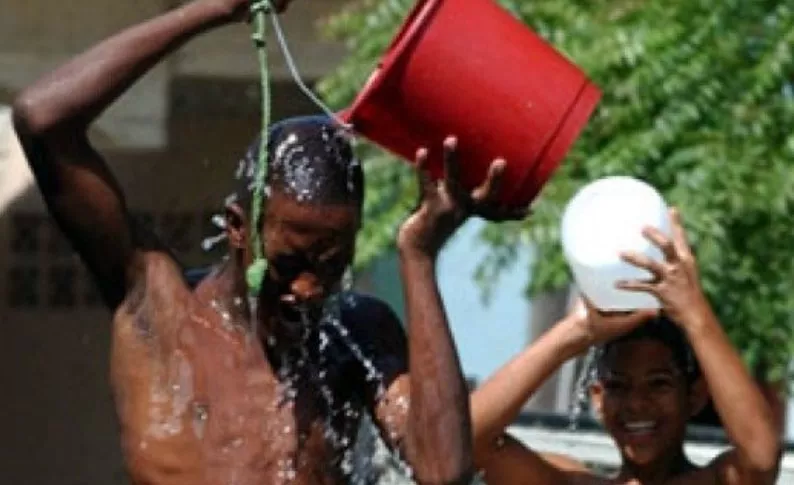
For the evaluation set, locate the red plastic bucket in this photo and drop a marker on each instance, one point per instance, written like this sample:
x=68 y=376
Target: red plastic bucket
x=468 y=68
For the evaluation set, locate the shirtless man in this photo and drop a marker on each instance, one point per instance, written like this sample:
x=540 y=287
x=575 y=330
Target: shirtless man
x=653 y=372
x=211 y=387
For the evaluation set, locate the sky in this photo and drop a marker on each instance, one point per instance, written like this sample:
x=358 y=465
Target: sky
x=486 y=335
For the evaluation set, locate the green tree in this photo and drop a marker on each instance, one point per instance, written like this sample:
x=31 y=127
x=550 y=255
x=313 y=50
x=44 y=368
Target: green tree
x=697 y=101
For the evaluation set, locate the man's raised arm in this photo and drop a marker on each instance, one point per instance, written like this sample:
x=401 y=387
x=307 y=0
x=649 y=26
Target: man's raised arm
x=435 y=434
x=52 y=118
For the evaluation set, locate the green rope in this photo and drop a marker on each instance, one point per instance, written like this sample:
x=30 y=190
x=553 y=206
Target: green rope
x=255 y=273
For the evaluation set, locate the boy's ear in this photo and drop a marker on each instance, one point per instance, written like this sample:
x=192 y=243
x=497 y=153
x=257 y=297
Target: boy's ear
x=698 y=396
x=597 y=399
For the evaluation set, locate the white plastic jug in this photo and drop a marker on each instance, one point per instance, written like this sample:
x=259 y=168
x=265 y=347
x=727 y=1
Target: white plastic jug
x=603 y=219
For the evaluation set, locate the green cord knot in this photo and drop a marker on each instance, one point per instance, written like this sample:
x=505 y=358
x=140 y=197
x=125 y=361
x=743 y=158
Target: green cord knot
x=259 y=9
x=261 y=6
x=255 y=274
x=258 y=41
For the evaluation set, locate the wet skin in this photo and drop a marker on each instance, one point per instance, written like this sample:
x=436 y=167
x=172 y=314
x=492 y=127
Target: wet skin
x=208 y=393
x=200 y=398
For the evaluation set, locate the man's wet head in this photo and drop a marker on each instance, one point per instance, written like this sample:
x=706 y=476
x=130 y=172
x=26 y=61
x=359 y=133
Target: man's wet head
x=313 y=193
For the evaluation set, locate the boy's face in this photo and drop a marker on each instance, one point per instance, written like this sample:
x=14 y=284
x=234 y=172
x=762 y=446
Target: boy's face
x=644 y=400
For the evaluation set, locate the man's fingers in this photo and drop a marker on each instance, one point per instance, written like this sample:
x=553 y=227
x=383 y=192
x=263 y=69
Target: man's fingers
x=452 y=169
x=427 y=187
x=514 y=214
x=489 y=191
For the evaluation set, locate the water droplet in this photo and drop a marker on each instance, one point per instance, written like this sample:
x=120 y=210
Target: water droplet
x=333 y=320
x=347 y=284
x=201 y=412
x=580 y=390
x=219 y=221
x=402 y=403
x=210 y=242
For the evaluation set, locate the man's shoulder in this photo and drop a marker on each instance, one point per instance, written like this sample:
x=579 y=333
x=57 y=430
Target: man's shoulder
x=162 y=283
x=371 y=319
x=357 y=306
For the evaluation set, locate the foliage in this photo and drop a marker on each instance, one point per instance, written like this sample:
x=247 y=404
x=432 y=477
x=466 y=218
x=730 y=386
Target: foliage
x=697 y=101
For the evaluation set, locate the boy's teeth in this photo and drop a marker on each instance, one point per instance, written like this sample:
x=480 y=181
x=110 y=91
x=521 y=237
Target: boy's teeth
x=640 y=425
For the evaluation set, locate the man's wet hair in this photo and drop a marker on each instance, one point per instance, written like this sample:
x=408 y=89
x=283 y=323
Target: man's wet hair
x=310 y=158
x=659 y=329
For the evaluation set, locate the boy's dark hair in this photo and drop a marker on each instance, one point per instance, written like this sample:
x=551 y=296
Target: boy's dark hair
x=660 y=329
x=310 y=158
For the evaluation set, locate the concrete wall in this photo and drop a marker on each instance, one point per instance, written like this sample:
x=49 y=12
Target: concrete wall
x=172 y=141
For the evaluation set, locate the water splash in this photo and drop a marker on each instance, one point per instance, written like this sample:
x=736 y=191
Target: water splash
x=373 y=462
x=373 y=375
x=337 y=413
x=287 y=470
x=312 y=357
x=359 y=471
x=348 y=281
x=200 y=416
x=253 y=315
x=580 y=389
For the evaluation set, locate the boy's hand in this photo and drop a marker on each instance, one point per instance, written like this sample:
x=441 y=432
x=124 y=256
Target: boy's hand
x=594 y=327
x=676 y=283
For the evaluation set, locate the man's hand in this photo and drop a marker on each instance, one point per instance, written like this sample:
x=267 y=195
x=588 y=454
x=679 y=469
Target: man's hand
x=675 y=283
x=444 y=204
x=240 y=10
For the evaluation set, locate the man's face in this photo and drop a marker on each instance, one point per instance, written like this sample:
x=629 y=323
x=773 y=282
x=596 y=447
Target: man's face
x=308 y=247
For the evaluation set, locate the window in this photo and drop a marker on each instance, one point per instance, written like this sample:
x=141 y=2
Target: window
x=23 y=287
x=61 y=286
x=25 y=234
x=45 y=271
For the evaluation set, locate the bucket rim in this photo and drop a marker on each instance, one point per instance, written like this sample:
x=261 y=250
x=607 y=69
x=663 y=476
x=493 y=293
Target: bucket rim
x=419 y=16
x=576 y=120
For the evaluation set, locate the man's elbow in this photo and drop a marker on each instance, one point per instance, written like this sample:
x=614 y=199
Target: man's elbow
x=441 y=468
x=763 y=462
x=447 y=477
x=32 y=117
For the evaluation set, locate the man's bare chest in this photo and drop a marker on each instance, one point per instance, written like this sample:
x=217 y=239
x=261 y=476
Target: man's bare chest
x=213 y=404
